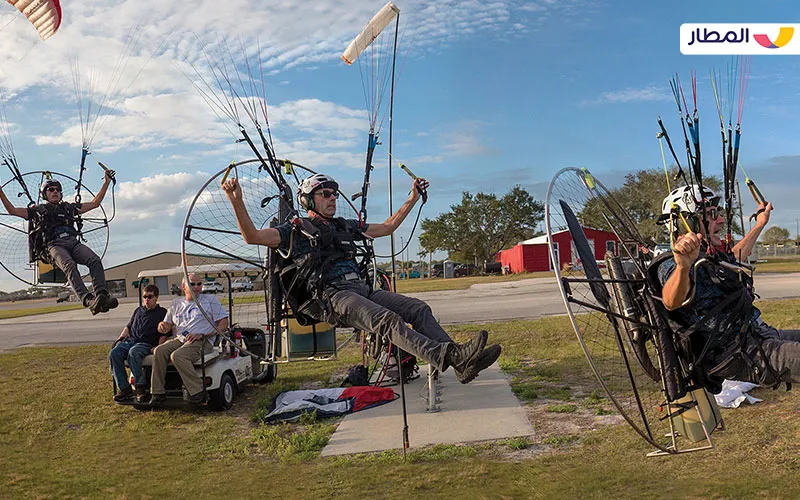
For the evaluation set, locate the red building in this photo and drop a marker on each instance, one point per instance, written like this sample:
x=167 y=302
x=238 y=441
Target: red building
x=532 y=255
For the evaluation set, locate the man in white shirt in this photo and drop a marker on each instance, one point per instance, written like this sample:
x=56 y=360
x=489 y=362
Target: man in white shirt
x=194 y=335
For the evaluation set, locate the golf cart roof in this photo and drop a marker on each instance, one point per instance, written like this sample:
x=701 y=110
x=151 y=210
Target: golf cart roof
x=207 y=270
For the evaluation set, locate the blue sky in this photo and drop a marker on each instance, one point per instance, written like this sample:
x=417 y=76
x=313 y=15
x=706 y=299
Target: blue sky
x=491 y=94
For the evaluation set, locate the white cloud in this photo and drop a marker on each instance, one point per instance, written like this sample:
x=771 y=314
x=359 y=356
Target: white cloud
x=649 y=93
x=157 y=196
x=465 y=139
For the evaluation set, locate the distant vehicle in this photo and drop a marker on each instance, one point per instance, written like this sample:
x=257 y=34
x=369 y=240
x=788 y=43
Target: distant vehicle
x=413 y=274
x=212 y=287
x=241 y=285
x=175 y=290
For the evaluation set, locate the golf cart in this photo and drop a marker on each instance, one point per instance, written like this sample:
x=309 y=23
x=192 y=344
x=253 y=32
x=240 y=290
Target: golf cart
x=227 y=369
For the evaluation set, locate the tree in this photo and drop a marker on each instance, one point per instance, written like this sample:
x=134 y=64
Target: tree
x=775 y=236
x=640 y=197
x=481 y=225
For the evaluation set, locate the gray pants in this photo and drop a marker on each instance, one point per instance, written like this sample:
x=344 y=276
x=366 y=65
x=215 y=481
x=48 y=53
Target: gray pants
x=67 y=253
x=782 y=349
x=388 y=314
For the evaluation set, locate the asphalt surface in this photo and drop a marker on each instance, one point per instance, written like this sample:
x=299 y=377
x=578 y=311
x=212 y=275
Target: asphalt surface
x=490 y=302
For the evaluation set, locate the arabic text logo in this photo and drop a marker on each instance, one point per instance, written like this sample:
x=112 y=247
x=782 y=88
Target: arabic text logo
x=784 y=36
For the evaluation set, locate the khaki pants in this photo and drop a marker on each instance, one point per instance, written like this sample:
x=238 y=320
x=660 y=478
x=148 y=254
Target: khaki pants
x=183 y=355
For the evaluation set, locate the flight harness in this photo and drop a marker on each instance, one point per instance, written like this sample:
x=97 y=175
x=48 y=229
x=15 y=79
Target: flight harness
x=43 y=220
x=302 y=276
x=727 y=344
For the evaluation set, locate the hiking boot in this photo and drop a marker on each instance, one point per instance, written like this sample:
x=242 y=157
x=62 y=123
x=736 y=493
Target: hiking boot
x=142 y=394
x=198 y=399
x=109 y=302
x=484 y=360
x=460 y=355
x=125 y=394
x=157 y=399
x=87 y=299
x=96 y=305
x=105 y=302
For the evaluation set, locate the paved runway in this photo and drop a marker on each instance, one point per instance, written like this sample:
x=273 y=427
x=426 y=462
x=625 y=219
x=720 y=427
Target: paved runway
x=525 y=299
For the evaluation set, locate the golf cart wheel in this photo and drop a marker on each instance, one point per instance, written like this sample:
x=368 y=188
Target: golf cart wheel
x=222 y=398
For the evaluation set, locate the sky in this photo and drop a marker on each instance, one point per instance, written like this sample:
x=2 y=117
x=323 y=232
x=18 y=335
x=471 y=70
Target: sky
x=488 y=95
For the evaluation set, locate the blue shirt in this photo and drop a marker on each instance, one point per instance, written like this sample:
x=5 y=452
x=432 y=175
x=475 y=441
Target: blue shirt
x=301 y=246
x=143 y=325
x=706 y=296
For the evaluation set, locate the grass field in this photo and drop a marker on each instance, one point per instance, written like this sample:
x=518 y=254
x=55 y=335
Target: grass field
x=62 y=437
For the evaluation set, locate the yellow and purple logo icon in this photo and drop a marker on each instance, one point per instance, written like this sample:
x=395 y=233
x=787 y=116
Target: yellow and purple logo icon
x=784 y=36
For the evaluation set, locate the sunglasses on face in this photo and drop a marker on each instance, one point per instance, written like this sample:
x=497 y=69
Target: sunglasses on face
x=713 y=212
x=148 y=296
x=327 y=193
x=196 y=283
x=53 y=189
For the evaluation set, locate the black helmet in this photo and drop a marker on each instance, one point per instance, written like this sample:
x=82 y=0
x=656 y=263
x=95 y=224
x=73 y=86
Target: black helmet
x=49 y=183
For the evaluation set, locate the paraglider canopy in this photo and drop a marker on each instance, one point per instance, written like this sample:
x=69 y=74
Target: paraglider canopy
x=45 y=15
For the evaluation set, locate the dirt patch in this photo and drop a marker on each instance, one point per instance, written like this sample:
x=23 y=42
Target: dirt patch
x=561 y=407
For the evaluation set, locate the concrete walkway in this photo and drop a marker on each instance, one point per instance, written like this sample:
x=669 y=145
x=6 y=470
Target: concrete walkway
x=484 y=409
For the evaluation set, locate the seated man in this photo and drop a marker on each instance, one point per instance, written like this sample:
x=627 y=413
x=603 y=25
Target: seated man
x=54 y=224
x=346 y=298
x=137 y=340
x=194 y=335
x=729 y=337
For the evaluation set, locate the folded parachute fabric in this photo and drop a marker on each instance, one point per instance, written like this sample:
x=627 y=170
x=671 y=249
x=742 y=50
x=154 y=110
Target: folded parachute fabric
x=289 y=405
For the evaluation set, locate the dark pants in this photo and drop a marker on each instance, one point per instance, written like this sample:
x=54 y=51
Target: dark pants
x=782 y=350
x=388 y=314
x=67 y=253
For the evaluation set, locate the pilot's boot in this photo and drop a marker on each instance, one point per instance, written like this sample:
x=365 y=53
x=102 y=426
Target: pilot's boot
x=107 y=302
x=459 y=356
x=484 y=360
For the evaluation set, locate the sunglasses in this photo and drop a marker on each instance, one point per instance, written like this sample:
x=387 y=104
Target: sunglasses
x=148 y=296
x=327 y=194
x=53 y=189
x=195 y=283
x=713 y=212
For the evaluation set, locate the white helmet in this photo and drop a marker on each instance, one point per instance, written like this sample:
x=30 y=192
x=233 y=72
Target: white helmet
x=687 y=199
x=312 y=183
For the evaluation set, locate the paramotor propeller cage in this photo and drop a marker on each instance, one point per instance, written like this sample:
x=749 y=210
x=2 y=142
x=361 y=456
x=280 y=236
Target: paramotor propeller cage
x=213 y=248
x=21 y=247
x=618 y=320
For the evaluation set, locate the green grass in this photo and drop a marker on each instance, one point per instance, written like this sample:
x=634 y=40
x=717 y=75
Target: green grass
x=62 y=437
x=30 y=311
x=562 y=408
x=437 y=284
x=778 y=267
